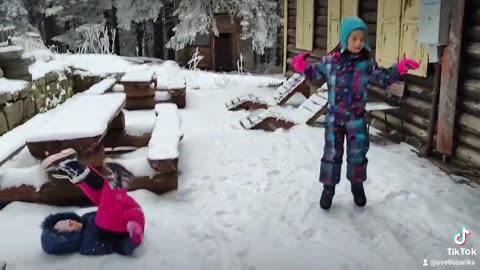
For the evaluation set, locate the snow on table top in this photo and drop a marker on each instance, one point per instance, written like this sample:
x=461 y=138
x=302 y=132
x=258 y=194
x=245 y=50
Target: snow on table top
x=81 y=116
x=139 y=122
x=23 y=169
x=166 y=133
x=10 y=86
x=138 y=76
x=6 y=49
x=17 y=137
x=95 y=64
x=101 y=87
x=176 y=82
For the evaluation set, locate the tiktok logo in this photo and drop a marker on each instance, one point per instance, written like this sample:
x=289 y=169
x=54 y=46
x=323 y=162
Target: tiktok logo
x=461 y=237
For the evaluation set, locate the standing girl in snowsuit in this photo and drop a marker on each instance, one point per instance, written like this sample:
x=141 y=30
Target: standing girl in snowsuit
x=116 y=227
x=348 y=71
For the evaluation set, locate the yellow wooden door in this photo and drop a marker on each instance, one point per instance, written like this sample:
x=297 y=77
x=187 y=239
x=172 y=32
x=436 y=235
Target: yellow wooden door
x=299 y=26
x=409 y=37
x=337 y=11
x=333 y=25
x=349 y=8
x=308 y=24
x=305 y=24
x=388 y=32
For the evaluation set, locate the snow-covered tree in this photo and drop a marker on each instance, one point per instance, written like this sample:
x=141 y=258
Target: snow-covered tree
x=136 y=11
x=259 y=21
x=13 y=16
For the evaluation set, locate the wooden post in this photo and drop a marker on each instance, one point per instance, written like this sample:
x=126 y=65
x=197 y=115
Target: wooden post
x=285 y=35
x=449 y=81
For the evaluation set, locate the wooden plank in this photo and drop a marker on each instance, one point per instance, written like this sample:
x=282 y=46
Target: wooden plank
x=299 y=25
x=333 y=28
x=449 y=80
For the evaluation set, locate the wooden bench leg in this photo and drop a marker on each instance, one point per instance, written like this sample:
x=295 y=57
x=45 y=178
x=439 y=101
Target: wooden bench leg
x=369 y=116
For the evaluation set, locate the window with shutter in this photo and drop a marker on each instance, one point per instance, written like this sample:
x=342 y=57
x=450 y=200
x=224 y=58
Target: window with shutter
x=337 y=11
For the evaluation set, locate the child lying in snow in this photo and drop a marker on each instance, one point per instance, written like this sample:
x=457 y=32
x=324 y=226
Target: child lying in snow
x=117 y=226
x=348 y=70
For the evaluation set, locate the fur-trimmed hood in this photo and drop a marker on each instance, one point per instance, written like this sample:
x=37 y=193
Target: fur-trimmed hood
x=55 y=242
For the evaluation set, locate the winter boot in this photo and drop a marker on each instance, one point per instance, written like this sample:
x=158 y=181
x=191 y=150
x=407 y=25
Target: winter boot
x=65 y=165
x=327 y=197
x=359 y=194
x=117 y=175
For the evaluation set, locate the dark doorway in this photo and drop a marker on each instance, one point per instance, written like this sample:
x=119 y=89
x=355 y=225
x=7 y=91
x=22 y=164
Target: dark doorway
x=224 y=52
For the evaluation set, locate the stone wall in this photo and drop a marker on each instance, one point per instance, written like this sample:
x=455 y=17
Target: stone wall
x=38 y=96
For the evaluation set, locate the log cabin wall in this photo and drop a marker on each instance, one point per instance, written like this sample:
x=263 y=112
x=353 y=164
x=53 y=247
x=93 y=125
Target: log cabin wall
x=412 y=119
x=467 y=127
x=320 y=32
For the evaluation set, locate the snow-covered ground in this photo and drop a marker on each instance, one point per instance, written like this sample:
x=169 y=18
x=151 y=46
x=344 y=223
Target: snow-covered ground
x=249 y=200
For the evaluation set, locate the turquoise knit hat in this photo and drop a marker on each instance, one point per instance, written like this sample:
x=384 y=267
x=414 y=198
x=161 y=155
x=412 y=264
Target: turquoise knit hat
x=349 y=25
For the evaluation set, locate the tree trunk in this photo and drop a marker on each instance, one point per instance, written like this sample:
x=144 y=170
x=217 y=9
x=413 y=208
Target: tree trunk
x=115 y=27
x=140 y=34
x=158 y=42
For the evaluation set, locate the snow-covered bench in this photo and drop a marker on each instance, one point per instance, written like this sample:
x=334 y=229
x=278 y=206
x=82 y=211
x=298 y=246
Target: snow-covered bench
x=167 y=134
x=281 y=95
x=139 y=86
x=277 y=117
x=80 y=123
x=171 y=89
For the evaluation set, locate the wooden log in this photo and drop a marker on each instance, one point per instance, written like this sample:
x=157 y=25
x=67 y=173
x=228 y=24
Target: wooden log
x=322 y=11
x=321 y=32
x=469 y=123
x=373 y=41
x=94 y=157
x=420 y=92
x=292 y=12
x=407 y=128
x=468 y=155
x=418 y=106
x=372 y=28
x=471 y=107
x=134 y=92
x=469 y=139
x=119 y=138
x=292 y=5
x=167 y=166
x=411 y=118
x=292 y=33
x=322 y=3
x=473 y=50
x=473 y=34
x=291 y=40
x=368 y=5
x=321 y=21
x=321 y=43
x=292 y=21
x=472 y=71
x=63 y=193
x=422 y=81
x=140 y=103
x=41 y=150
x=118 y=122
x=471 y=90
x=369 y=17
x=474 y=17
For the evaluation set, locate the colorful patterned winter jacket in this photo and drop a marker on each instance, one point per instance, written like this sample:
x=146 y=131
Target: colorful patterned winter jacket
x=348 y=76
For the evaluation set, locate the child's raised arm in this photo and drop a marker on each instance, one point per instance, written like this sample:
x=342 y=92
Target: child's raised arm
x=387 y=76
x=314 y=71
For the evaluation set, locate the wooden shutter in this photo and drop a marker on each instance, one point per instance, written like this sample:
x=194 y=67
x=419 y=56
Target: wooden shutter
x=299 y=29
x=349 y=8
x=333 y=25
x=409 y=37
x=337 y=11
x=388 y=32
x=308 y=24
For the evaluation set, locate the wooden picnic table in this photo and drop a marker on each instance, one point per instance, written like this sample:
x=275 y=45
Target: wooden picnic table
x=79 y=123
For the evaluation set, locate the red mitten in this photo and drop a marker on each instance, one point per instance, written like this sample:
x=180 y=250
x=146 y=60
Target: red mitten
x=300 y=63
x=407 y=64
x=135 y=232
